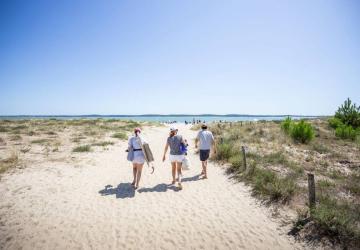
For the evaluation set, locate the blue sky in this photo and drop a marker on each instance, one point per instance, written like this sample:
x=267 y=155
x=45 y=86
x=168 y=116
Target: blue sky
x=136 y=57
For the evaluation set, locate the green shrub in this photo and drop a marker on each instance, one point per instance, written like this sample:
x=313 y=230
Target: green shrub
x=286 y=125
x=349 y=114
x=335 y=122
x=302 y=132
x=337 y=219
x=223 y=152
x=346 y=132
x=266 y=183
x=236 y=162
x=84 y=148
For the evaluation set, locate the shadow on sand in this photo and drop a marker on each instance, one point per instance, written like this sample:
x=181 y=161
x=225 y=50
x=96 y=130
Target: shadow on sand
x=159 y=188
x=193 y=178
x=122 y=191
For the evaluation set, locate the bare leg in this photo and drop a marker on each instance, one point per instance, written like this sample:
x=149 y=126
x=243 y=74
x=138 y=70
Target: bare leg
x=138 y=174
x=173 y=171
x=203 y=168
x=134 y=174
x=179 y=173
x=204 y=163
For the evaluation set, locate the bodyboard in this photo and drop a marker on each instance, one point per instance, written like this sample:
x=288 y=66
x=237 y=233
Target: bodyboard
x=147 y=152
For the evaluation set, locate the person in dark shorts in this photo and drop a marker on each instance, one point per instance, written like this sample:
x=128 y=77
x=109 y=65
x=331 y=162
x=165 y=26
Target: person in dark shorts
x=204 y=154
x=206 y=140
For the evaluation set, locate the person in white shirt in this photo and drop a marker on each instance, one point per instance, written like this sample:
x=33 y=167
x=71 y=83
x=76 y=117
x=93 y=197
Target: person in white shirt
x=206 y=140
x=135 y=142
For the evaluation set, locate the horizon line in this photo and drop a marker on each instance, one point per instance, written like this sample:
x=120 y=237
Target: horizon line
x=142 y=115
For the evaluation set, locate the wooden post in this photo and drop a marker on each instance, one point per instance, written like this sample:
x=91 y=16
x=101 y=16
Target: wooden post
x=244 y=156
x=311 y=186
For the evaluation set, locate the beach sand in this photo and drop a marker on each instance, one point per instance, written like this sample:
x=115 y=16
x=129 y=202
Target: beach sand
x=91 y=205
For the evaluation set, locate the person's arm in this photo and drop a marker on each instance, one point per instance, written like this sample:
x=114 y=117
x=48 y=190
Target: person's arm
x=165 y=150
x=197 y=140
x=129 y=145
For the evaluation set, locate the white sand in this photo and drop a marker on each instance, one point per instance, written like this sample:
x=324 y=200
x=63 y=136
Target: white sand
x=60 y=206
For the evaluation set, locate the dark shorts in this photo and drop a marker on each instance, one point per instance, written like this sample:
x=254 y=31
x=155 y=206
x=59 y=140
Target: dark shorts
x=204 y=154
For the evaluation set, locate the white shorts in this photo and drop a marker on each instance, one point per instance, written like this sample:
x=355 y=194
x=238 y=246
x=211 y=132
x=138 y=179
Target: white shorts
x=176 y=158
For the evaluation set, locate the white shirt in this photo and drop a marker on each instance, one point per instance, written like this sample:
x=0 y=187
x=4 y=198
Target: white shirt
x=206 y=139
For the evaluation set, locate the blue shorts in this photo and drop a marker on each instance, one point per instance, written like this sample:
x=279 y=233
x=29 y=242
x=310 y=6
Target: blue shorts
x=204 y=154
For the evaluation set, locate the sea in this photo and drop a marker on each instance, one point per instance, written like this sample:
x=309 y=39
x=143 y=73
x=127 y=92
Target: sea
x=166 y=118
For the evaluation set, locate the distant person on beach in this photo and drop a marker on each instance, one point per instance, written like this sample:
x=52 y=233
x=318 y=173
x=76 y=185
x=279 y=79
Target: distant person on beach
x=207 y=142
x=176 y=157
x=138 y=157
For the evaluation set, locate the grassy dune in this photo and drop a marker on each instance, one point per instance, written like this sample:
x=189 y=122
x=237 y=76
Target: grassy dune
x=23 y=142
x=277 y=168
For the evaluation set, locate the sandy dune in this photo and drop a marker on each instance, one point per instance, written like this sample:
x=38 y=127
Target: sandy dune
x=92 y=206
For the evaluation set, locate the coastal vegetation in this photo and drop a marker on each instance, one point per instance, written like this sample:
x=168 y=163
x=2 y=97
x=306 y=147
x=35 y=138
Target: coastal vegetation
x=53 y=139
x=83 y=148
x=279 y=156
x=346 y=121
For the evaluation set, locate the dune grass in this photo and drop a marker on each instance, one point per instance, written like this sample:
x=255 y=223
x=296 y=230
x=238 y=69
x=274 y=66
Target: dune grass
x=40 y=141
x=336 y=218
x=8 y=163
x=3 y=129
x=15 y=138
x=120 y=135
x=103 y=143
x=276 y=165
x=81 y=149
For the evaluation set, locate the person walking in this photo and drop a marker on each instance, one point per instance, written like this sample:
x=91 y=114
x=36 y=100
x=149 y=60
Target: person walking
x=206 y=140
x=138 y=157
x=176 y=157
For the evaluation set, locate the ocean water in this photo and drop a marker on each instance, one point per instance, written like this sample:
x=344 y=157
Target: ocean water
x=167 y=118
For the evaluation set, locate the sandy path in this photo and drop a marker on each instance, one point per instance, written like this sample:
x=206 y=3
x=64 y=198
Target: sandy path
x=66 y=207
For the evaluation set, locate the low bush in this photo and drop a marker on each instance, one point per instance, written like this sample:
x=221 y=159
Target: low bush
x=267 y=184
x=346 y=132
x=223 y=152
x=236 y=162
x=337 y=219
x=335 y=122
x=286 y=125
x=302 y=132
